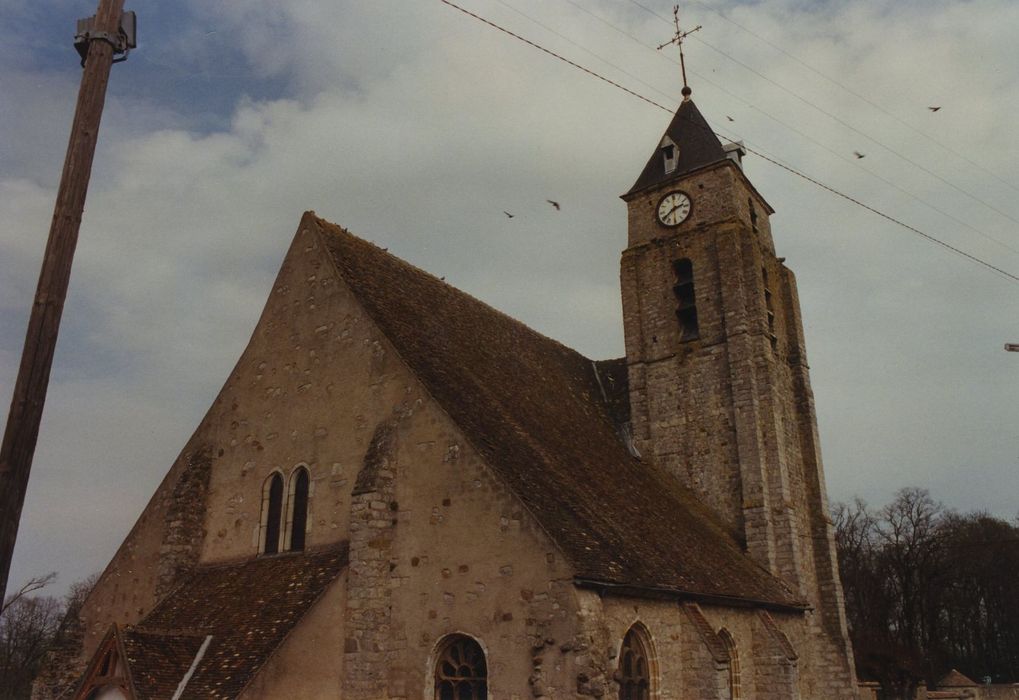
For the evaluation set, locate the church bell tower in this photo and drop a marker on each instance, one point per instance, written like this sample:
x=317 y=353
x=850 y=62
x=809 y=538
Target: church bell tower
x=719 y=388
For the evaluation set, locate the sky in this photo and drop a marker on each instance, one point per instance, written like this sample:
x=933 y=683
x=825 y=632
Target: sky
x=416 y=126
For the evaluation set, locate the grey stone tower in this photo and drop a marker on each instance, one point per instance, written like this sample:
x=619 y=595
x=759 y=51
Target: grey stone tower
x=719 y=385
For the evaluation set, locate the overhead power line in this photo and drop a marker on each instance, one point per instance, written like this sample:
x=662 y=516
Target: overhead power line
x=772 y=160
x=582 y=48
x=838 y=84
x=847 y=125
x=855 y=162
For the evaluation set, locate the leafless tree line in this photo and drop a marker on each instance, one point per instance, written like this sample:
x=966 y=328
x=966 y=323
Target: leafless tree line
x=30 y=623
x=929 y=590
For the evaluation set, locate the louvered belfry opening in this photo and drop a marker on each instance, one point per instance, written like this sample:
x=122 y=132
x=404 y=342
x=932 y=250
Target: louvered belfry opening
x=686 y=301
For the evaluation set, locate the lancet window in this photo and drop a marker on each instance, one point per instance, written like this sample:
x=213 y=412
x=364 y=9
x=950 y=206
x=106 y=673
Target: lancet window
x=297 y=516
x=634 y=667
x=272 y=512
x=735 y=688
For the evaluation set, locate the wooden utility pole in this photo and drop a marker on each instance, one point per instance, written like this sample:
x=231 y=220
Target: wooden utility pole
x=101 y=39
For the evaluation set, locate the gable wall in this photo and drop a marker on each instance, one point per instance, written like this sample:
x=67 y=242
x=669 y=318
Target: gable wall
x=441 y=546
x=277 y=409
x=309 y=389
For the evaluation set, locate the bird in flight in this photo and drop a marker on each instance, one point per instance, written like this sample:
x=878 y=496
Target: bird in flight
x=729 y=118
x=934 y=109
x=508 y=214
x=554 y=204
x=858 y=154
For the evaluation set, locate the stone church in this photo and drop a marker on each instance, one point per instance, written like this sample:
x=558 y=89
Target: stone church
x=401 y=492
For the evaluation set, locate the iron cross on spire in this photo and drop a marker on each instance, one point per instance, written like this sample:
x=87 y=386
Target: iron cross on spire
x=678 y=40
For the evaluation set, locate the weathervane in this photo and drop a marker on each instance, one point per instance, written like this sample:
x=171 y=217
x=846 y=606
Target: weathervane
x=678 y=40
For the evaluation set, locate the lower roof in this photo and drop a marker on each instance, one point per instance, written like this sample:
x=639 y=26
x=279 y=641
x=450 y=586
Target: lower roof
x=222 y=623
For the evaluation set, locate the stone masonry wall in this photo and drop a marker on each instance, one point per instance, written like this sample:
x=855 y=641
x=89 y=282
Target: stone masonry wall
x=369 y=644
x=730 y=413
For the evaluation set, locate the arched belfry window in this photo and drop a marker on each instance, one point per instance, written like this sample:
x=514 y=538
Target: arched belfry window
x=272 y=512
x=635 y=666
x=297 y=510
x=686 y=300
x=460 y=670
x=769 y=306
x=735 y=688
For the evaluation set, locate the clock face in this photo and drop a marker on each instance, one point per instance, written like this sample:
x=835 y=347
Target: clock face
x=674 y=208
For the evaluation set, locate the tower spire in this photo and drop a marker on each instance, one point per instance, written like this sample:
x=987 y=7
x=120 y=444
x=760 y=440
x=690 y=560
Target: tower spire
x=678 y=40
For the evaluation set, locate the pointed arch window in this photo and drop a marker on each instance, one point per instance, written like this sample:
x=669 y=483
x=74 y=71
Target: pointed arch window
x=272 y=512
x=635 y=666
x=686 y=300
x=461 y=672
x=735 y=687
x=297 y=510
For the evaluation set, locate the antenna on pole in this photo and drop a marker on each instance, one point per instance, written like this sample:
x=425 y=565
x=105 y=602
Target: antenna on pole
x=678 y=40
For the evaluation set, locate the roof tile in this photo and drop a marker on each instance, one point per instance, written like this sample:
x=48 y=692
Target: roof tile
x=248 y=608
x=537 y=412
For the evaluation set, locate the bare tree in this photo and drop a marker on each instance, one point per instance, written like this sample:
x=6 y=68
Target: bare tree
x=27 y=627
x=31 y=586
x=928 y=590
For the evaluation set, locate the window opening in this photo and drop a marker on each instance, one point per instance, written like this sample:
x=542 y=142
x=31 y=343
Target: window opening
x=272 y=507
x=686 y=300
x=769 y=308
x=298 y=509
x=735 y=688
x=460 y=670
x=670 y=155
x=108 y=679
x=753 y=214
x=634 y=669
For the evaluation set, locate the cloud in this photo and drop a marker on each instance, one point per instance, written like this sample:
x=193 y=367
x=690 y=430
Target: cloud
x=416 y=126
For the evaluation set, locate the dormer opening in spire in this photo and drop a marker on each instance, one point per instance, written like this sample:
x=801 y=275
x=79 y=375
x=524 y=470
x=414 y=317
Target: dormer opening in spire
x=696 y=146
x=670 y=154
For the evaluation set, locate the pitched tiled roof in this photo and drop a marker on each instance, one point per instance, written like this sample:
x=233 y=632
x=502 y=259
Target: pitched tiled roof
x=247 y=607
x=535 y=410
x=158 y=662
x=697 y=143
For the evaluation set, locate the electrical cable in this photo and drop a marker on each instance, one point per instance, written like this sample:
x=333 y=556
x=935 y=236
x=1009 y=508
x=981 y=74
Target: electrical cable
x=585 y=50
x=775 y=119
x=756 y=152
x=852 y=128
x=838 y=84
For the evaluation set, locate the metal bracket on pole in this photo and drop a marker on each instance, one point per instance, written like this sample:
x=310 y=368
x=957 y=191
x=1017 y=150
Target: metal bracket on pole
x=122 y=42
